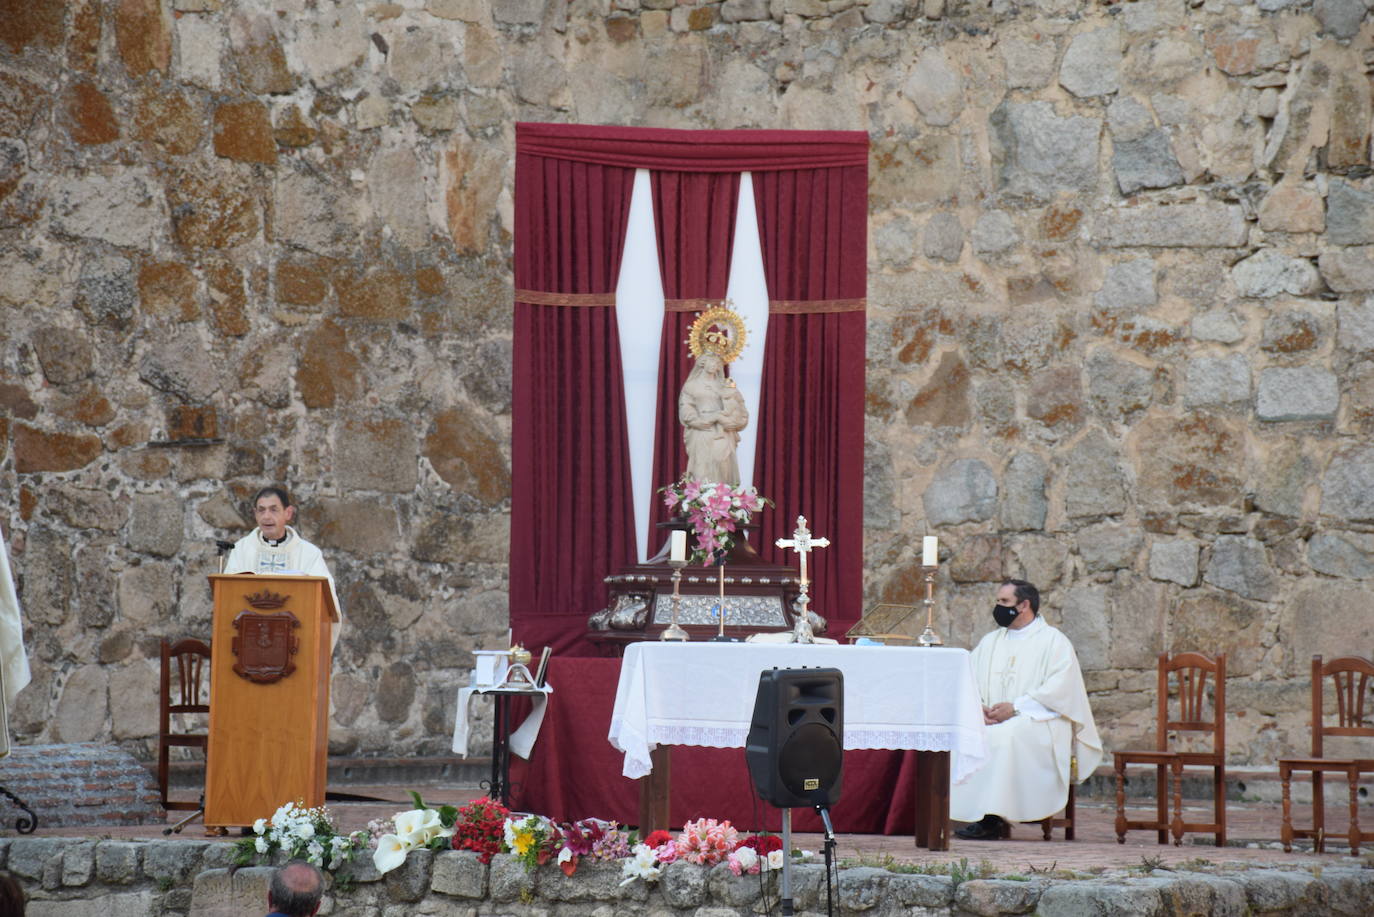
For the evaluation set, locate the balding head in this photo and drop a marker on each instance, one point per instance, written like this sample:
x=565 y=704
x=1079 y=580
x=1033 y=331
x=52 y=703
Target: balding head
x=296 y=889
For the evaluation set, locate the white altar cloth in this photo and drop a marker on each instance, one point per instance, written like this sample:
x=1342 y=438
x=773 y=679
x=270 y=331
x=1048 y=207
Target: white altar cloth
x=898 y=697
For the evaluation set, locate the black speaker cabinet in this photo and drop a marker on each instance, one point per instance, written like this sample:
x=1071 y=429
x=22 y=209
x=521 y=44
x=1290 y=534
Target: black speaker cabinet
x=795 y=748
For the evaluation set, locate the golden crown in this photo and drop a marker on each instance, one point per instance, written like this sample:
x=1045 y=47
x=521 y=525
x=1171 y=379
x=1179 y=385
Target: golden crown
x=719 y=330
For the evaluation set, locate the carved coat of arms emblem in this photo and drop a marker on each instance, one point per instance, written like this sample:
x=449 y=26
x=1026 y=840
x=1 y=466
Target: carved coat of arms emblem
x=265 y=645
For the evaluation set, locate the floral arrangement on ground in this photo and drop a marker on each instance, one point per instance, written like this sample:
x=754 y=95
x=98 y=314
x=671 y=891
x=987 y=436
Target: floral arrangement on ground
x=303 y=833
x=487 y=827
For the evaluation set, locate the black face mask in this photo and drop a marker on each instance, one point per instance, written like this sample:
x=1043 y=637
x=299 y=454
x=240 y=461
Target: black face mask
x=1004 y=615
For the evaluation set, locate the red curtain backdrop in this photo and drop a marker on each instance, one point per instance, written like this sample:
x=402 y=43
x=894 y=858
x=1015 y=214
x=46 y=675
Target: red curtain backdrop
x=571 y=509
x=813 y=228
x=694 y=219
x=571 y=516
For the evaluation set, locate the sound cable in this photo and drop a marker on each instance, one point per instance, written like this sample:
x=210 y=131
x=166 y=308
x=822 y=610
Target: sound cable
x=757 y=820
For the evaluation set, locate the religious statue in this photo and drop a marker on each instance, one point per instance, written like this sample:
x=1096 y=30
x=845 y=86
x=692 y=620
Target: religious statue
x=710 y=407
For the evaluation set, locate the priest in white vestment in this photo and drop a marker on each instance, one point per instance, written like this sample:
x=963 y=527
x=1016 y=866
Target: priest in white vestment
x=1035 y=707
x=274 y=547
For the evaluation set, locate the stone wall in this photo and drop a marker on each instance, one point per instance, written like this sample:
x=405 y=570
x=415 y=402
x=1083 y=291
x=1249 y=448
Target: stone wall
x=1121 y=338
x=72 y=878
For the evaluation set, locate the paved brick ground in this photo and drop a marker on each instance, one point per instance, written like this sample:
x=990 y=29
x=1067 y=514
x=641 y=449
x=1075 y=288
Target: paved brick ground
x=1253 y=837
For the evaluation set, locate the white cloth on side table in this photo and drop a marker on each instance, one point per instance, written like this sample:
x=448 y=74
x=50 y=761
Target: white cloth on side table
x=915 y=698
x=521 y=741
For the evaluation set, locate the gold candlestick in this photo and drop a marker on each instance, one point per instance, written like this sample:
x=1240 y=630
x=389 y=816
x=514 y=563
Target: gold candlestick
x=928 y=636
x=720 y=633
x=673 y=631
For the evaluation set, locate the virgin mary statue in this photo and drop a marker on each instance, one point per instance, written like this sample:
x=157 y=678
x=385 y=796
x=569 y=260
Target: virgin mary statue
x=712 y=413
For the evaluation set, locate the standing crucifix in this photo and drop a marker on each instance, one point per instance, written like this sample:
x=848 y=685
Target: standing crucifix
x=803 y=542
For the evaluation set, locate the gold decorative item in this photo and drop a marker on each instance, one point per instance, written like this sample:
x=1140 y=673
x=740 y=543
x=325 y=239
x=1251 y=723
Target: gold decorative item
x=719 y=330
x=887 y=623
x=928 y=636
x=518 y=675
x=720 y=633
x=673 y=631
x=802 y=541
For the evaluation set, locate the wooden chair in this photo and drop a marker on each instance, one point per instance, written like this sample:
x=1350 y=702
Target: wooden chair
x=1190 y=673
x=1349 y=678
x=184 y=689
x=1065 y=821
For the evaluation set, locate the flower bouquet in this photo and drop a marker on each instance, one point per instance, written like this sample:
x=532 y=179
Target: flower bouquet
x=533 y=839
x=305 y=834
x=594 y=838
x=706 y=841
x=418 y=827
x=480 y=825
x=715 y=510
x=755 y=854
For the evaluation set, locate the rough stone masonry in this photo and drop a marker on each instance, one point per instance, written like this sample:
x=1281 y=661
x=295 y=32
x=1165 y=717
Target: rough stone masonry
x=1121 y=332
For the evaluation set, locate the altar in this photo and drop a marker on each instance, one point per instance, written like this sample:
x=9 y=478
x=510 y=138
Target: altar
x=901 y=703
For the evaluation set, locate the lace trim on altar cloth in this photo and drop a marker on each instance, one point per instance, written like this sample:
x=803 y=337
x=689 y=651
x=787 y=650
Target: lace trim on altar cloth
x=963 y=762
x=708 y=736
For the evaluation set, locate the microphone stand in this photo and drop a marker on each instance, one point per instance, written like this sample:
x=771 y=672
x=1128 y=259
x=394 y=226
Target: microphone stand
x=824 y=812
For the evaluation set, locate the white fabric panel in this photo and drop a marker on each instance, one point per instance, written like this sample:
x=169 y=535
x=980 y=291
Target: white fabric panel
x=639 y=319
x=749 y=291
x=923 y=698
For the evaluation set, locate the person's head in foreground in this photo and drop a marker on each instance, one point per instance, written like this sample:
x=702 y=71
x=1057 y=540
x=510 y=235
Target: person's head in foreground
x=296 y=889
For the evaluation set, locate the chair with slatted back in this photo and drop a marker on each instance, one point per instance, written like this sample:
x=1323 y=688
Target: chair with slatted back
x=1350 y=680
x=1183 y=683
x=184 y=689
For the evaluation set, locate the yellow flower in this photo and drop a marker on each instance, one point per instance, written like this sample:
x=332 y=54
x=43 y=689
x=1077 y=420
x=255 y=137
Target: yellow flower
x=524 y=840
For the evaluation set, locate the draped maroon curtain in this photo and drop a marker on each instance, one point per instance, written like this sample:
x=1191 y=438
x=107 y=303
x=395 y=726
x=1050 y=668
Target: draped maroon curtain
x=694 y=219
x=571 y=506
x=812 y=226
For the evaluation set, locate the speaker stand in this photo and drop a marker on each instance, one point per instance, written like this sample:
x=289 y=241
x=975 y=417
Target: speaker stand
x=787 y=863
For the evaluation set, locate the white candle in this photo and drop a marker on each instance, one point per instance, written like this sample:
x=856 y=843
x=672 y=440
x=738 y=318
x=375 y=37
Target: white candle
x=930 y=551
x=678 y=546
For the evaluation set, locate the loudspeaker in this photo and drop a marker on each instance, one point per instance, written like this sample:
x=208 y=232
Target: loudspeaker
x=795 y=748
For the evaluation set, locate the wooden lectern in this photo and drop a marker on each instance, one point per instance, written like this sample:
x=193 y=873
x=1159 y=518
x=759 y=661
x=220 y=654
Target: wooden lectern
x=269 y=695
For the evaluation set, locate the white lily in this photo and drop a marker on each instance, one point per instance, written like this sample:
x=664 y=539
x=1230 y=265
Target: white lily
x=641 y=864
x=416 y=821
x=391 y=852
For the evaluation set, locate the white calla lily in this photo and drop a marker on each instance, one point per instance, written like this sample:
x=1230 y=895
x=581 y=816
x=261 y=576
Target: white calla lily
x=391 y=852
x=414 y=821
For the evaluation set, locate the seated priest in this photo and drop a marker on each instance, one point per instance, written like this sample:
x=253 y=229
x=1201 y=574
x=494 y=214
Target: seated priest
x=274 y=547
x=1038 y=721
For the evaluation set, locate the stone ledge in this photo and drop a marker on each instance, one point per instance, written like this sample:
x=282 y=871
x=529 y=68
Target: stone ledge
x=162 y=878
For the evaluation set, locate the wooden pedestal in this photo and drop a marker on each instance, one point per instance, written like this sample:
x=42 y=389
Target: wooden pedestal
x=269 y=696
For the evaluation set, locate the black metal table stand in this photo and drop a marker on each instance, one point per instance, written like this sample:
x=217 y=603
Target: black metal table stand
x=22 y=825
x=498 y=787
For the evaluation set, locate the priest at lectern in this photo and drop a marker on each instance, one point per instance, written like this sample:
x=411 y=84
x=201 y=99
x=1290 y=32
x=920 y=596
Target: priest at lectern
x=274 y=547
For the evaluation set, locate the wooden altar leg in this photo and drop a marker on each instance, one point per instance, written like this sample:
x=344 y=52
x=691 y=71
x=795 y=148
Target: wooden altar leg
x=654 y=795
x=921 y=798
x=932 y=800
